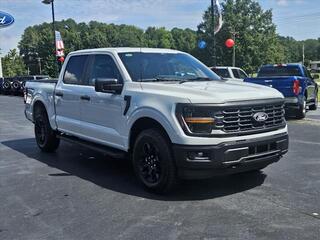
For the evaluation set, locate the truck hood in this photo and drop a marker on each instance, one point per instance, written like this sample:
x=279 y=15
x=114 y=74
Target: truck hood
x=212 y=91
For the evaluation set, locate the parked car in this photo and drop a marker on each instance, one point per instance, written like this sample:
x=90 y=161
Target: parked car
x=295 y=82
x=230 y=72
x=164 y=109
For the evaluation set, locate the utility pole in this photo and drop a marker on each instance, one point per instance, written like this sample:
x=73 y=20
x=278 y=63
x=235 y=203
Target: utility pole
x=234 y=35
x=39 y=64
x=212 y=32
x=303 y=54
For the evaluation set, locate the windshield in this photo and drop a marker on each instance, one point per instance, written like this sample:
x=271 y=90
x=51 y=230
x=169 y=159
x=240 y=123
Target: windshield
x=279 y=71
x=165 y=67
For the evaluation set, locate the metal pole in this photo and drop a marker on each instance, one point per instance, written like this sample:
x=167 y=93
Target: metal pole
x=234 y=51
x=54 y=38
x=234 y=34
x=39 y=64
x=302 y=54
x=213 y=37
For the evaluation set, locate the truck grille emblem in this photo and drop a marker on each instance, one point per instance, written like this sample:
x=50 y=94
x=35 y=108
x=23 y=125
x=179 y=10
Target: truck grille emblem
x=260 y=116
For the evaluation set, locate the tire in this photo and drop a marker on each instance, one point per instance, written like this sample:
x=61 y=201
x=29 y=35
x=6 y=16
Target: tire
x=301 y=112
x=153 y=162
x=46 y=138
x=6 y=87
x=315 y=105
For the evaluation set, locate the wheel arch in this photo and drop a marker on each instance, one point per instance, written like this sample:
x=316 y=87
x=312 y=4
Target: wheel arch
x=144 y=123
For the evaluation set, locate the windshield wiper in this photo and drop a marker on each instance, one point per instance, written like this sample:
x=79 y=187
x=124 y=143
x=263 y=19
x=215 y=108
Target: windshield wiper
x=160 y=79
x=204 y=79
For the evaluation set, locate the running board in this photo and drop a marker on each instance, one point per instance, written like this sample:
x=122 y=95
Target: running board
x=112 y=152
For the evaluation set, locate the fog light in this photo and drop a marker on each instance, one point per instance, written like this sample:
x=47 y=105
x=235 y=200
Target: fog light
x=198 y=156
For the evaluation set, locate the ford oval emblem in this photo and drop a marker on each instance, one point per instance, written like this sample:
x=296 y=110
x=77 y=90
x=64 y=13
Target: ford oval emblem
x=5 y=19
x=260 y=116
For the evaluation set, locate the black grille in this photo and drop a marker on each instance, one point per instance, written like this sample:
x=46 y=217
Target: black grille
x=240 y=119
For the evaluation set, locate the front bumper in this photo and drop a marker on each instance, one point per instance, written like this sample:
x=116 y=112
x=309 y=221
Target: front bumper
x=196 y=162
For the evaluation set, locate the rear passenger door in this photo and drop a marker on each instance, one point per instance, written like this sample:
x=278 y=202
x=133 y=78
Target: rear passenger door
x=102 y=113
x=67 y=95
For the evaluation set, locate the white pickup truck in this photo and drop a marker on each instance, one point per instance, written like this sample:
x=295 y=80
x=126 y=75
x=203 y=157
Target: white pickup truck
x=164 y=109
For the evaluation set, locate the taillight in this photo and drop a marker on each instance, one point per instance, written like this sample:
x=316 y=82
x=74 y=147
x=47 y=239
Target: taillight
x=296 y=87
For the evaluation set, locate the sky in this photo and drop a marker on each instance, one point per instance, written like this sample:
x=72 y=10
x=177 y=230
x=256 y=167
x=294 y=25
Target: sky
x=296 y=18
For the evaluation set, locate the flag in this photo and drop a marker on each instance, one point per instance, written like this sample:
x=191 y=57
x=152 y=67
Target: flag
x=220 y=22
x=59 y=45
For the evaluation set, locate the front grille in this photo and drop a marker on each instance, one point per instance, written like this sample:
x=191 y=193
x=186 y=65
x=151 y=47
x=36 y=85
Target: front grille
x=240 y=119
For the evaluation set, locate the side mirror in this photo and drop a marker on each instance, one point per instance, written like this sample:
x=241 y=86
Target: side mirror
x=107 y=85
x=316 y=76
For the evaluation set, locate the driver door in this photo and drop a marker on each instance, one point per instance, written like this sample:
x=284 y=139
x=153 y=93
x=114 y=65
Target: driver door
x=102 y=113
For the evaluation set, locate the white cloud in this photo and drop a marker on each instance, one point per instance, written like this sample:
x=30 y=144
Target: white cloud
x=287 y=2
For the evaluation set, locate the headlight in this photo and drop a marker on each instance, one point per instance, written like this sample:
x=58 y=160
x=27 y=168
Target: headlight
x=195 y=119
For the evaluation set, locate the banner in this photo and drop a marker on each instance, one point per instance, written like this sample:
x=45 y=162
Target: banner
x=59 y=45
x=220 y=22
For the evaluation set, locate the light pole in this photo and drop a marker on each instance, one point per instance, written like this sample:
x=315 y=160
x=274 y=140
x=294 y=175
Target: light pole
x=213 y=37
x=234 y=35
x=53 y=28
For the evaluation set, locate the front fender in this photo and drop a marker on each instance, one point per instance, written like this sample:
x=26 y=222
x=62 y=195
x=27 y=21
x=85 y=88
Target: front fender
x=165 y=118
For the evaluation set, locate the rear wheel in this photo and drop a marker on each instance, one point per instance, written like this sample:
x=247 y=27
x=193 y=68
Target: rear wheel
x=314 y=106
x=46 y=138
x=153 y=161
x=301 y=112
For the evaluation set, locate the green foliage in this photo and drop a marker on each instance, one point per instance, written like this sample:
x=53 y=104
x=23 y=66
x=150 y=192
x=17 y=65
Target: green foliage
x=256 y=40
x=13 y=64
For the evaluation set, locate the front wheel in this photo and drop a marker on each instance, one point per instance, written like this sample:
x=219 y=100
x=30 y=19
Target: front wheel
x=153 y=161
x=46 y=138
x=301 y=112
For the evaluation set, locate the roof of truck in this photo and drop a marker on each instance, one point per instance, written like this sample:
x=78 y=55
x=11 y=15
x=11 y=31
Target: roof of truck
x=283 y=65
x=127 y=49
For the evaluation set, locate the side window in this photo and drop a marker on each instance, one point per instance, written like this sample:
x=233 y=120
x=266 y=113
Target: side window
x=307 y=73
x=235 y=73
x=242 y=74
x=75 y=69
x=103 y=67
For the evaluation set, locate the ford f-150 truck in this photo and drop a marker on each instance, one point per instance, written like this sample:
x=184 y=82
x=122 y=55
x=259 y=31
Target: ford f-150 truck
x=294 y=82
x=164 y=109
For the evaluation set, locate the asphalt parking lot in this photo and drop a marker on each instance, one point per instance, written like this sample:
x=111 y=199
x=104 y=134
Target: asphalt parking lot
x=76 y=193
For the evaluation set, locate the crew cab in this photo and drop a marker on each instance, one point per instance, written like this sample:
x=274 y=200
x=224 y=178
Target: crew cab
x=296 y=84
x=230 y=72
x=163 y=109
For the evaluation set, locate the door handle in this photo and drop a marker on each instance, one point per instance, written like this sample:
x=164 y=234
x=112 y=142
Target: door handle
x=85 y=97
x=59 y=94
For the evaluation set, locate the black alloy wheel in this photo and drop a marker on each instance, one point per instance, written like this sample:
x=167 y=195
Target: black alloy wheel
x=153 y=161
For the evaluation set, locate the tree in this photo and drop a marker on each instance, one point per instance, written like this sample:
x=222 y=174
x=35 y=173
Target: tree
x=13 y=64
x=184 y=39
x=256 y=39
x=158 y=38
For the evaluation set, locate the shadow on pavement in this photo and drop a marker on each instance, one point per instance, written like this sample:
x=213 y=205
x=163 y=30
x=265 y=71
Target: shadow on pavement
x=117 y=175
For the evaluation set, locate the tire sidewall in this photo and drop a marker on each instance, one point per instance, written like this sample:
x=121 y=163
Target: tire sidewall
x=40 y=117
x=164 y=154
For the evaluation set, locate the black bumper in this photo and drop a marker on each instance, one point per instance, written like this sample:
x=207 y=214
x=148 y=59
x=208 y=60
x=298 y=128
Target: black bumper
x=196 y=162
x=292 y=103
